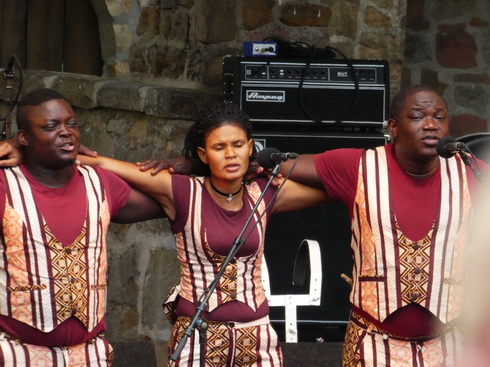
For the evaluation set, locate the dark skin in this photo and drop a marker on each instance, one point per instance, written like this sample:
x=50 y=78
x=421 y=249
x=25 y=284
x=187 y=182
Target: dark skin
x=50 y=142
x=421 y=122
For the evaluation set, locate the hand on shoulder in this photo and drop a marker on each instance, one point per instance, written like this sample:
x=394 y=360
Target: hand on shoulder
x=11 y=154
x=179 y=166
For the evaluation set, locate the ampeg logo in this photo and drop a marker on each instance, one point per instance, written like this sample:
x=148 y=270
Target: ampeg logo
x=265 y=96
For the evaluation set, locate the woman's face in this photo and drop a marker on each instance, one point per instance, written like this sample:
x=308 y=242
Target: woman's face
x=227 y=151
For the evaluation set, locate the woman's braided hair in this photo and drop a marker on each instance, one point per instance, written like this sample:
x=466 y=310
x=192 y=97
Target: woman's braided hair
x=209 y=119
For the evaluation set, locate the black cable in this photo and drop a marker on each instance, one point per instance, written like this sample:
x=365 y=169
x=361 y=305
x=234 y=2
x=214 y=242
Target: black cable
x=304 y=50
x=299 y=49
x=21 y=78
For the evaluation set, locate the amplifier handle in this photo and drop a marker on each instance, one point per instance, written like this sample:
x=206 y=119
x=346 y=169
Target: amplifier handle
x=228 y=87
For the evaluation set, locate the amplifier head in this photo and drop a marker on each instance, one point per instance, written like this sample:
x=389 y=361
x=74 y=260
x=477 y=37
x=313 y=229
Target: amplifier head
x=352 y=93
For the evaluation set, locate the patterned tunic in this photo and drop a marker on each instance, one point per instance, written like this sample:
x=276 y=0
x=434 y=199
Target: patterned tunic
x=232 y=343
x=390 y=270
x=42 y=282
x=241 y=280
x=405 y=254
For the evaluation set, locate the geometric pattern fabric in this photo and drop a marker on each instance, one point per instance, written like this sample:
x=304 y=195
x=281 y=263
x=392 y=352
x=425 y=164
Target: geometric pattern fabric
x=228 y=344
x=70 y=285
x=414 y=267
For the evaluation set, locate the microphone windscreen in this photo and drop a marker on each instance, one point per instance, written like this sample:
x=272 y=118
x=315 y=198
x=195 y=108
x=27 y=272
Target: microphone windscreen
x=264 y=157
x=441 y=147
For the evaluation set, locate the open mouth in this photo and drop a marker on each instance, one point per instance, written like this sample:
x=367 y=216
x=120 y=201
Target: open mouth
x=67 y=147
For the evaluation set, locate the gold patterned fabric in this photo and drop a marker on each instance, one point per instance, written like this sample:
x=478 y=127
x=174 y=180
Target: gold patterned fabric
x=69 y=267
x=414 y=267
x=390 y=270
x=97 y=352
x=42 y=282
x=229 y=344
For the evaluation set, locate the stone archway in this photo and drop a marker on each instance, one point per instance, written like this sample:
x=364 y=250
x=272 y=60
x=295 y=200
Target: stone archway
x=118 y=20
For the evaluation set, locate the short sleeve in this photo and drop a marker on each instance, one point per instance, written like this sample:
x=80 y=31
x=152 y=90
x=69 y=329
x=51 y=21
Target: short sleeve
x=117 y=190
x=338 y=169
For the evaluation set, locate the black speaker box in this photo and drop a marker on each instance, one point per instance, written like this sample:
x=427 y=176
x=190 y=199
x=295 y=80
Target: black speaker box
x=329 y=225
x=304 y=93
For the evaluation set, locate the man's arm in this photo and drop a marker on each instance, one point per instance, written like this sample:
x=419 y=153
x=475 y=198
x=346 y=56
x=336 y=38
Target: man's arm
x=139 y=207
x=304 y=171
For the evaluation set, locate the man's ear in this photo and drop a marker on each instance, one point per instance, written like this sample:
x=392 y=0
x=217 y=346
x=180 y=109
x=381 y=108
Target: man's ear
x=202 y=155
x=393 y=127
x=22 y=138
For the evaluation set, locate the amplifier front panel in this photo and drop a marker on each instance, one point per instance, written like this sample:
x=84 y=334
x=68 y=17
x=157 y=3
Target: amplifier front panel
x=296 y=92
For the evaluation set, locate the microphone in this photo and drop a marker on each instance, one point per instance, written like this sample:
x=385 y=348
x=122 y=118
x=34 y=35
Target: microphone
x=448 y=146
x=269 y=157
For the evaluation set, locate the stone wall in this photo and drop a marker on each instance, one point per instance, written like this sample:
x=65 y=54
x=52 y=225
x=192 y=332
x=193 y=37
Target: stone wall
x=182 y=42
x=448 y=47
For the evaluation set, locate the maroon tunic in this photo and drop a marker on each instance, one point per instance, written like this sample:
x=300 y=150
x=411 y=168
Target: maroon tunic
x=56 y=206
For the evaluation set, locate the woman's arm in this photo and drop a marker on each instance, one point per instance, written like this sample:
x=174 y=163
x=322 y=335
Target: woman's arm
x=296 y=196
x=158 y=186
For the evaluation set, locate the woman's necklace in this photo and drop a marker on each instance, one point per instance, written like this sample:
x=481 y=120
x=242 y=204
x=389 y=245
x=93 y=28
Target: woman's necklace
x=229 y=197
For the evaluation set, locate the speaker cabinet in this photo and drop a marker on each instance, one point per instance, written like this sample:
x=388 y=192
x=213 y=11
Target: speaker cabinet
x=329 y=225
x=301 y=93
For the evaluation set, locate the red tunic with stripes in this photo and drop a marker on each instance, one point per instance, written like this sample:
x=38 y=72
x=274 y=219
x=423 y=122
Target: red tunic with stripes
x=204 y=235
x=43 y=281
x=409 y=233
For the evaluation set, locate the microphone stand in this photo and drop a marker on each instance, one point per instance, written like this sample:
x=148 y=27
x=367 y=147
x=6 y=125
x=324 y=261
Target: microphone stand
x=8 y=76
x=467 y=161
x=198 y=321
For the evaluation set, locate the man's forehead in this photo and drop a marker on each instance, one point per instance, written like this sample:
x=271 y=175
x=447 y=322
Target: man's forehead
x=424 y=99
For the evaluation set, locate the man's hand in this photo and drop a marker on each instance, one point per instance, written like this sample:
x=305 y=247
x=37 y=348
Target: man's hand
x=11 y=154
x=179 y=166
x=256 y=171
